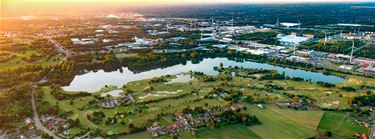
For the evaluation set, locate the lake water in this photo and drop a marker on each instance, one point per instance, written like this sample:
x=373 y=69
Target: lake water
x=94 y=81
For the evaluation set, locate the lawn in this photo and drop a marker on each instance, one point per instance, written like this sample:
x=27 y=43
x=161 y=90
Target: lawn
x=229 y=132
x=341 y=125
x=25 y=53
x=276 y=123
x=285 y=123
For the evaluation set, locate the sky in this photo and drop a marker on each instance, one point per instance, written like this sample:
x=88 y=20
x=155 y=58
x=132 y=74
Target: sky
x=45 y=6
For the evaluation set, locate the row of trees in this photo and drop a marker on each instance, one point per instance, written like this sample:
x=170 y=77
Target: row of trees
x=341 y=47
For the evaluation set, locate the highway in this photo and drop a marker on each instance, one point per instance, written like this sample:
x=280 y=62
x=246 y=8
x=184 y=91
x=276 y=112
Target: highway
x=60 y=48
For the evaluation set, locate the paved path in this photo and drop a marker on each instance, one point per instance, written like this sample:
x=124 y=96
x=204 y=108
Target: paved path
x=37 y=122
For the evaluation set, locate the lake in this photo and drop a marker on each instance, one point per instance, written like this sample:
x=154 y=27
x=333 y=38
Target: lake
x=94 y=81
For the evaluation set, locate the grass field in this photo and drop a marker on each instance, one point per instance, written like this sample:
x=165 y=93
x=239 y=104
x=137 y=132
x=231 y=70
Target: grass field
x=341 y=125
x=229 y=132
x=276 y=123
x=285 y=123
x=18 y=59
x=282 y=123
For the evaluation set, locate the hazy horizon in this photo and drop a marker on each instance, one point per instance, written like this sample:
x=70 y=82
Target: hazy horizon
x=44 y=7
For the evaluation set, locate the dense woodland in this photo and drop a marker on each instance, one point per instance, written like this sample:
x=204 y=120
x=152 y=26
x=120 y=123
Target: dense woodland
x=260 y=37
x=367 y=51
x=244 y=14
x=341 y=47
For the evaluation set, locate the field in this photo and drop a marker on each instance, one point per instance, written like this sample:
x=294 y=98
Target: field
x=340 y=125
x=20 y=58
x=174 y=97
x=279 y=123
x=228 y=132
x=299 y=124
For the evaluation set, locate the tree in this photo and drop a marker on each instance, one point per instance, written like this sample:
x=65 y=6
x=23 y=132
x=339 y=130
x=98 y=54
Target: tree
x=131 y=125
x=193 y=54
x=295 y=98
x=350 y=100
x=328 y=133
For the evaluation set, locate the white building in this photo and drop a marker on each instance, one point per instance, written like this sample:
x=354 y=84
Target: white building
x=220 y=46
x=258 y=51
x=84 y=41
x=291 y=40
x=297 y=58
x=347 y=67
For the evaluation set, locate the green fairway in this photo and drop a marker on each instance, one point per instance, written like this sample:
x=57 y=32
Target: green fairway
x=285 y=123
x=229 y=132
x=340 y=125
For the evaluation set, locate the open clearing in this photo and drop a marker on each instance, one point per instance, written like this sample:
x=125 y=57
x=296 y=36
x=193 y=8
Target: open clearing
x=340 y=125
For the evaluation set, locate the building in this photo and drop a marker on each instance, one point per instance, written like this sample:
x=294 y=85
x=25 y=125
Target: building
x=226 y=40
x=293 y=39
x=304 y=53
x=297 y=58
x=364 y=61
x=220 y=46
x=206 y=39
x=286 y=24
x=346 y=67
x=258 y=51
x=84 y=41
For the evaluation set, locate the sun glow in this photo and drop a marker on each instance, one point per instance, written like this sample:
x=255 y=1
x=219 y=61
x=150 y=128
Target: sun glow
x=33 y=7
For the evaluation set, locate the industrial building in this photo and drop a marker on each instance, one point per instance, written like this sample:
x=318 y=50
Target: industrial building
x=293 y=39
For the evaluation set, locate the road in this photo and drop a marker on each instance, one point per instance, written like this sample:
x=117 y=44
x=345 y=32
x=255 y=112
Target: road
x=60 y=48
x=37 y=122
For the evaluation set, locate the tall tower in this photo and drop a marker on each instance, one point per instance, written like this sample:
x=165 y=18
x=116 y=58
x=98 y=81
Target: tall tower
x=195 y=23
x=325 y=38
x=341 y=34
x=168 y=27
x=217 y=25
x=351 y=54
x=190 y=22
x=277 y=23
x=232 y=22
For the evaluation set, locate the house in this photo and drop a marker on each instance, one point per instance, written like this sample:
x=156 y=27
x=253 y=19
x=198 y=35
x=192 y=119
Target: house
x=28 y=120
x=260 y=106
x=364 y=61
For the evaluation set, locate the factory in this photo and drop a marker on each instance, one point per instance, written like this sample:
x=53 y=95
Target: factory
x=84 y=41
x=293 y=39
